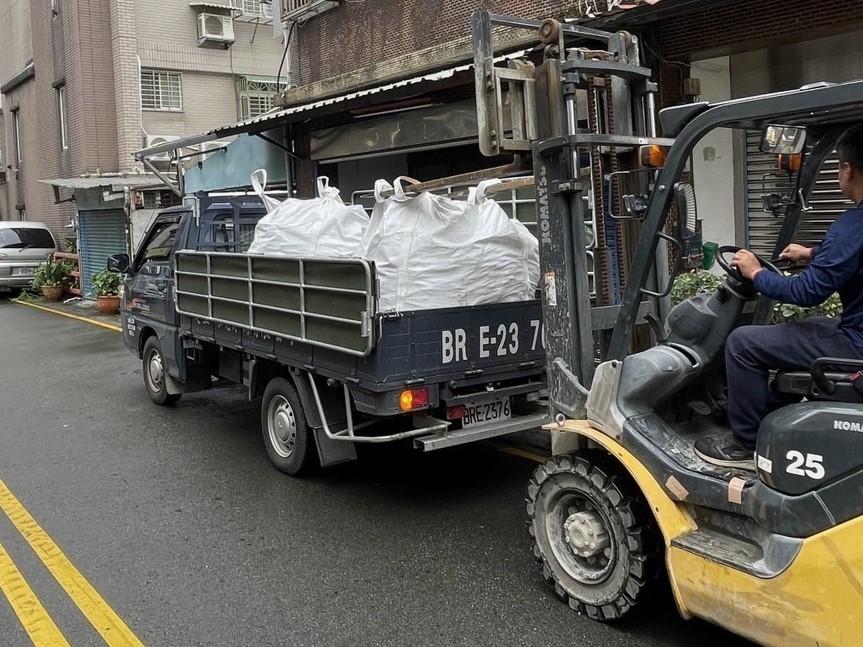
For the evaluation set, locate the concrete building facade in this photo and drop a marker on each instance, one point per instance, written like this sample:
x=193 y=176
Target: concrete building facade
x=85 y=83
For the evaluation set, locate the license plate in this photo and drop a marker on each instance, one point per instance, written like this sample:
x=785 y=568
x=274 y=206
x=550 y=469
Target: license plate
x=480 y=413
x=23 y=271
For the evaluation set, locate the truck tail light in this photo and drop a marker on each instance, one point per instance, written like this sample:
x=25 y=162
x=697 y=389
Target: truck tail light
x=456 y=413
x=411 y=399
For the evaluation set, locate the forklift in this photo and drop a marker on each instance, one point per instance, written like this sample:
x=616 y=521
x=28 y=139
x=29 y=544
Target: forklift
x=772 y=555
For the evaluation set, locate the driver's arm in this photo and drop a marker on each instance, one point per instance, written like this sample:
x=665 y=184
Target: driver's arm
x=835 y=262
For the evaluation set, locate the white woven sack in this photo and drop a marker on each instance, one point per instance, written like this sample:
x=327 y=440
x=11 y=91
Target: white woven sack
x=434 y=252
x=323 y=226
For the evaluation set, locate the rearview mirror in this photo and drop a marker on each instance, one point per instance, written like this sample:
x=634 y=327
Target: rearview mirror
x=687 y=214
x=783 y=140
x=118 y=263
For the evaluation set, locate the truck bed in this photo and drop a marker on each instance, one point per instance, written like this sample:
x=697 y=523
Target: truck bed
x=320 y=314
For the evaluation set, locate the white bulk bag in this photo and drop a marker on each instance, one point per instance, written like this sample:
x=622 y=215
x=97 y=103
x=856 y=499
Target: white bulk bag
x=434 y=252
x=323 y=226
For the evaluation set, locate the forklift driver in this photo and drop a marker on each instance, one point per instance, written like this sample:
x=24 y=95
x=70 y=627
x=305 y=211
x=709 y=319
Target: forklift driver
x=751 y=351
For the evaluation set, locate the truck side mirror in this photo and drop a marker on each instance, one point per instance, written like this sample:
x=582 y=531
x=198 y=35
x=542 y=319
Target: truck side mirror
x=118 y=263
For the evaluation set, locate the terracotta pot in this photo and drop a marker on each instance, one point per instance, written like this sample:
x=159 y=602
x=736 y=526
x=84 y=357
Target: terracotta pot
x=108 y=305
x=52 y=294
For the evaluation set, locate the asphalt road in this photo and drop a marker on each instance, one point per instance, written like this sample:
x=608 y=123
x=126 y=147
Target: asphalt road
x=175 y=516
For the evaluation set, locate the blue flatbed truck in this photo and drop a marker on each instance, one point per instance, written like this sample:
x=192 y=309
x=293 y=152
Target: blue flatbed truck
x=305 y=336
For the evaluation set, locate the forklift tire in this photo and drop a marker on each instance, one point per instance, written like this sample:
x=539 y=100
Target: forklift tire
x=154 y=374
x=596 y=539
x=287 y=437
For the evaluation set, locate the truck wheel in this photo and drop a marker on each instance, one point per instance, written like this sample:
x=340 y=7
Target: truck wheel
x=286 y=435
x=596 y=539
x=154 y=373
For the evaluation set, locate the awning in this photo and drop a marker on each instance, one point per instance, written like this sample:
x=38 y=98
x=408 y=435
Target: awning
x=115 y=183
x=274 y=118
x=635 y=13
x=213 y=5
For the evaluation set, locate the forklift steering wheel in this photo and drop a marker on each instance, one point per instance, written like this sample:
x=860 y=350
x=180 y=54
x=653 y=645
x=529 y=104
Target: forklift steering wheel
x=734 y=272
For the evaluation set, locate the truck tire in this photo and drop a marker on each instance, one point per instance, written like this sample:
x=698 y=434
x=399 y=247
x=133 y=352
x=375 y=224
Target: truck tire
x=154 y=373
x=287 y=437
x=595 y=537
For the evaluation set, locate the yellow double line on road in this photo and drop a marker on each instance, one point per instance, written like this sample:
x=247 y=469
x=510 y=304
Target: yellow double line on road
x=33 y=616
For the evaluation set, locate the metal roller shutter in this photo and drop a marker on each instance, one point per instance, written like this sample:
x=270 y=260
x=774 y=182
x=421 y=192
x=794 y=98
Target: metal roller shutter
x=827 y=201
x=101 y=233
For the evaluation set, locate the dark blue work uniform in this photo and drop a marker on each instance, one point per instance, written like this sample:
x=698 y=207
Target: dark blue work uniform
x=751 y=351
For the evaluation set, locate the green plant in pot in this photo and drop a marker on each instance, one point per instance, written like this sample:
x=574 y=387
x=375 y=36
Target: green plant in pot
x=106 y=285
x=50 y=277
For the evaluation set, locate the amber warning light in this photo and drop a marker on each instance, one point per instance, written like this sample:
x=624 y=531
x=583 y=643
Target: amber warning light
x=790 y=163
x=652 y=156
x=411 y=399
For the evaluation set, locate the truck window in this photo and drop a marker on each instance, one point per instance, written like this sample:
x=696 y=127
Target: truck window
x=221 y=235
x=161 y=242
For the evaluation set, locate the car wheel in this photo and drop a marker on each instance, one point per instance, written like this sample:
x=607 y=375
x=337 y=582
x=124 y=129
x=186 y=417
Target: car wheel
x=287 y=437
x=155 y=375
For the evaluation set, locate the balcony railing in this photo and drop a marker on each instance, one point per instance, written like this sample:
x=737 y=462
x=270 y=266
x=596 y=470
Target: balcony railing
x=304 y=9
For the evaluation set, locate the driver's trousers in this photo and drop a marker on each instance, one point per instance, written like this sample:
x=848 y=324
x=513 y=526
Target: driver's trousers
x=752 y=351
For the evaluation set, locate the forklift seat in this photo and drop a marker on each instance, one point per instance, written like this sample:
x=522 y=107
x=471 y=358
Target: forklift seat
x=836 y=385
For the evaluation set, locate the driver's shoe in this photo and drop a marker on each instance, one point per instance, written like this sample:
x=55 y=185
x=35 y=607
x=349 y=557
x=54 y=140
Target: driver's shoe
x=725 y=451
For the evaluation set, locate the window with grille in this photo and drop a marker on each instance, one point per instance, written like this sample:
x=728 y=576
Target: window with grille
x=255 y=95
x=257 y=8
x=161 y=90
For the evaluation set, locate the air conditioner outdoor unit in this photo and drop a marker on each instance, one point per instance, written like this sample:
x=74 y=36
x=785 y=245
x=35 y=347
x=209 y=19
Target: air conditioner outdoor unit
x=160 y=159
x=305 y=9
x=215 y=30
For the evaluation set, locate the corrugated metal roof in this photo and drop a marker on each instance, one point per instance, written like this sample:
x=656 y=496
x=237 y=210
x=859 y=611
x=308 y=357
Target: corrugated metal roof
x=279 y=115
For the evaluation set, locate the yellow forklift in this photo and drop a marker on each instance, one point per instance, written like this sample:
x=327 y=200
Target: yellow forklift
x=774 y=555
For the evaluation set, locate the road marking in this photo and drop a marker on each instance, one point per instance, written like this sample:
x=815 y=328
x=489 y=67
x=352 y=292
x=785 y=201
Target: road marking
x=35 y=620
x=103 y=618
x=521 y=453
x=70 y=316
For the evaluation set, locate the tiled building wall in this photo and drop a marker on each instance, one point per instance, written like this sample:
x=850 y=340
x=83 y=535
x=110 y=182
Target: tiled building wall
x=167 y=39
x=361 y=34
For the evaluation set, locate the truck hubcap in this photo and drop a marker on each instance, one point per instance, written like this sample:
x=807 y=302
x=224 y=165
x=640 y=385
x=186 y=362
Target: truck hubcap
x=282 y=426
x=155 y=372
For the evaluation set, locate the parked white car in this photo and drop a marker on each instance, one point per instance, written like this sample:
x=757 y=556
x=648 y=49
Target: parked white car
x=23 y=245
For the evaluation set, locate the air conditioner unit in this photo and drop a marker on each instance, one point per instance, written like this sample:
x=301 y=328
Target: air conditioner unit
x=215 y=30
x=159 y=159
x=304 y=9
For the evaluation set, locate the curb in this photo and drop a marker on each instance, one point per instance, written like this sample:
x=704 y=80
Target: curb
x=70 y=316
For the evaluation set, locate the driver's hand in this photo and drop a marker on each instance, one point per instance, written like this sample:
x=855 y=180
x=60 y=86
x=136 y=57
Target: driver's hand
x=797 y=253
x=745 y=262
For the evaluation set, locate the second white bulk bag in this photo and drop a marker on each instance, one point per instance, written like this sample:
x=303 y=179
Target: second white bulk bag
x=323 y=226
x=431 y=251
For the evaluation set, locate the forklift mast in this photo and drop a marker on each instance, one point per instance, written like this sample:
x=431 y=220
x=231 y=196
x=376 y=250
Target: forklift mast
x=585 y=114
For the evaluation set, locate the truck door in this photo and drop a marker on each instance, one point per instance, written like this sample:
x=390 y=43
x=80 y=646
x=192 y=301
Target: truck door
x=150 y=298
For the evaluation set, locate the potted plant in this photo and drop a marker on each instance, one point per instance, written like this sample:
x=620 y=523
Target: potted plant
x=106 y=284
x=50 y=277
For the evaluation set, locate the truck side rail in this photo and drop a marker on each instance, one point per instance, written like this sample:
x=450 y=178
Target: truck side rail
x=328 y=303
